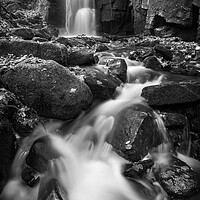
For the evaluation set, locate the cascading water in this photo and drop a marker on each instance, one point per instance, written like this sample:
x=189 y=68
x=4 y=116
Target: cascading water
x=87 y=168
x=80 y=17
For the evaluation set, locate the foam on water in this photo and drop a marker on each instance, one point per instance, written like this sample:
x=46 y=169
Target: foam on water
x=87 y=168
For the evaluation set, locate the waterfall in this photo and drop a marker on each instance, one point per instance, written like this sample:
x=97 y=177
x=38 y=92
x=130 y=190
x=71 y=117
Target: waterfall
x=80 y=17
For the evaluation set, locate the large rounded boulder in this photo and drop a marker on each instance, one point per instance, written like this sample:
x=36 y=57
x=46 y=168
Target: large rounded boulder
x=51 y=89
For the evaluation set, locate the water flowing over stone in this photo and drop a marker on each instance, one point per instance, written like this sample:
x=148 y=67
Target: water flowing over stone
x=81 y=157
x=80 y=17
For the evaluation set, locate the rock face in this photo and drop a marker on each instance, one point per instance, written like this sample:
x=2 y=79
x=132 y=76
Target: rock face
x=114 y=17
x=45 y=50
x=56 y=13
x=139 y=13
x=180 y=17
x=49 y=88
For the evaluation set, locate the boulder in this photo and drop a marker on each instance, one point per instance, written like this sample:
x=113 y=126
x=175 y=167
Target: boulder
x=49 y=88
x=47 y=32
x=152 y=63
x=24 y=33
x=39 y=39
x=177 y=178
x=185 y=68
x=173 y=119
x=30 y=176
x=79 y=58
x=137 y=169
x=41 y=152
x=118 y=67
x=101 y=47
x=174 y=93
x=23 y=119
x=164 y=52
x=45 y=50
x=66 y=41
x=136 y=132
x=102 y=83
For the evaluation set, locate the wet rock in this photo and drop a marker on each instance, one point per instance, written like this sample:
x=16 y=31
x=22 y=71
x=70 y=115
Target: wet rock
x=195 y=124
x=185 y=68
x=30 y=177
x=24 y=33
x=164 y=52
x=147 y=43
x=45 y=50
x=51 y=190
x=41 y=152
x=65 y=41
x=39 y=39
x=136 y=133
x=79 y=58
x=22 y=22
x=175 y=93
x=173 y=119
x=52 y=51
x=137 y=168
x=177 y=178
x=152 y=63
x=49 y=88
x=195 y=149
x=101 y=47
x=141 y=53
x=118 y=67
x=177 y=137
x=47 y=32
x=7 y=149
x=101 y=82
x=8 y=103
x=23 y=119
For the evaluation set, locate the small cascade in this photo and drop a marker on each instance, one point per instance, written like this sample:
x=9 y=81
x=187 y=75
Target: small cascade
x=80 y=17
x=85 y=165
x=87 y=168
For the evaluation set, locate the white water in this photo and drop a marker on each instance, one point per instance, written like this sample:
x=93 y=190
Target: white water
x=80 y=17
x=87 y=168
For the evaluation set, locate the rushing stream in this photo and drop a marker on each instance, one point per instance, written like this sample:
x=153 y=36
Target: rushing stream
x=85 y=165
x=87 y=168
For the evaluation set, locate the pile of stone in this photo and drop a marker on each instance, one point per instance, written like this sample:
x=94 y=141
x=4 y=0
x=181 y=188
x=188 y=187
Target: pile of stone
x=45 y=77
